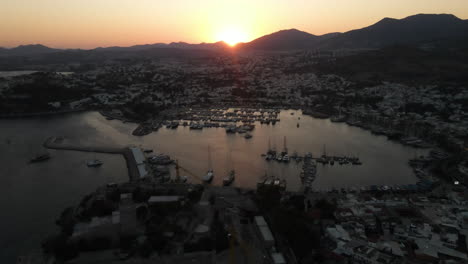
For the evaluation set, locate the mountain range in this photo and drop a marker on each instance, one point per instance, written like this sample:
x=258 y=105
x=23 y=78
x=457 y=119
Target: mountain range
x=422 y=29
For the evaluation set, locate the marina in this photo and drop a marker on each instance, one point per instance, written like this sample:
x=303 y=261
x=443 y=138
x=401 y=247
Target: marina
x=284 y=163
x=333 y=146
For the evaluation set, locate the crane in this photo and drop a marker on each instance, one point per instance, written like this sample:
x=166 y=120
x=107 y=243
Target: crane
x=178 y=168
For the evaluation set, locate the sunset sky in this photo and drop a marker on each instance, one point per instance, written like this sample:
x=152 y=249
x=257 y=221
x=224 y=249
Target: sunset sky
x=93 y=23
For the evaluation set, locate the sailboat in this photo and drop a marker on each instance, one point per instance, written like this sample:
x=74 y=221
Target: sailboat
x=229 y=179
x=285 y=148
x=323 y=159
x=270 y=153
x=209 y=174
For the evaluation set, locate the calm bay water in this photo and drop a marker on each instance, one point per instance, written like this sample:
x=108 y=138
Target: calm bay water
x=33 y=195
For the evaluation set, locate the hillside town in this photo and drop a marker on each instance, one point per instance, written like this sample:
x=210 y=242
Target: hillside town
x=154 y=91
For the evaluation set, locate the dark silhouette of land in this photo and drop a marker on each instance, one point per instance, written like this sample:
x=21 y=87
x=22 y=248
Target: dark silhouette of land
x=424 y=29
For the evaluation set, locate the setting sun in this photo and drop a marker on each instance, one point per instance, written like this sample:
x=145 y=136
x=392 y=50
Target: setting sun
x=232 y=36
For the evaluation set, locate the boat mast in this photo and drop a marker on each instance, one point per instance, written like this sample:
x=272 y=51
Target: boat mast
x=284 y=145
x=229 y=163
x=209 y=158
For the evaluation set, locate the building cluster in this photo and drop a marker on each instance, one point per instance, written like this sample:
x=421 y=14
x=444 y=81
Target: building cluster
x=418 y=228
x=168 y=223
x=142 y=222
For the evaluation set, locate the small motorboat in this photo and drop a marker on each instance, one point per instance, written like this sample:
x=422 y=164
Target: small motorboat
x=40 y=157
x=94 y=163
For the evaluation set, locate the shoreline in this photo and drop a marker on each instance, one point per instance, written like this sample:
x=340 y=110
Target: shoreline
x=40 y=114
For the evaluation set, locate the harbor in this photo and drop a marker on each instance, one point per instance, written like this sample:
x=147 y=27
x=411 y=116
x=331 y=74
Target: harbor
x=69 y=170
x=277 y=149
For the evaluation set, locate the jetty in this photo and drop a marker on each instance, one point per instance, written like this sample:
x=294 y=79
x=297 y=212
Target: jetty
x=131 y=155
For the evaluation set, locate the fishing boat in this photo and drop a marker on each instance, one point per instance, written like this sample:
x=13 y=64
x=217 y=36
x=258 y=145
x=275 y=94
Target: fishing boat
x=94 y=163
x=247 y=136
x=228 y=180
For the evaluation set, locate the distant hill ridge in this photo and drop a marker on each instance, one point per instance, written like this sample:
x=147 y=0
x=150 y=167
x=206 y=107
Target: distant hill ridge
x=417 y=29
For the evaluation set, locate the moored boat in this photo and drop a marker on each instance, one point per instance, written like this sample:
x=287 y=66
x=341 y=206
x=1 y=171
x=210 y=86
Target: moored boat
x=40 y=157
x=209 y=176
x=228 y=180
x=94 y=163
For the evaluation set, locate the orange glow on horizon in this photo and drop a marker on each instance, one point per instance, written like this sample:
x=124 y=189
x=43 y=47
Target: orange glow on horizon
x=90 y=23
x=232 y=36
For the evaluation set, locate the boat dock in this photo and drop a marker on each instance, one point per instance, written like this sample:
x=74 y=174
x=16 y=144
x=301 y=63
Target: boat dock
x=134 y=172
x=308 y=173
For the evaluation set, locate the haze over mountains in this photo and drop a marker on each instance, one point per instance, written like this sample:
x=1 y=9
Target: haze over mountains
x=422 y=29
